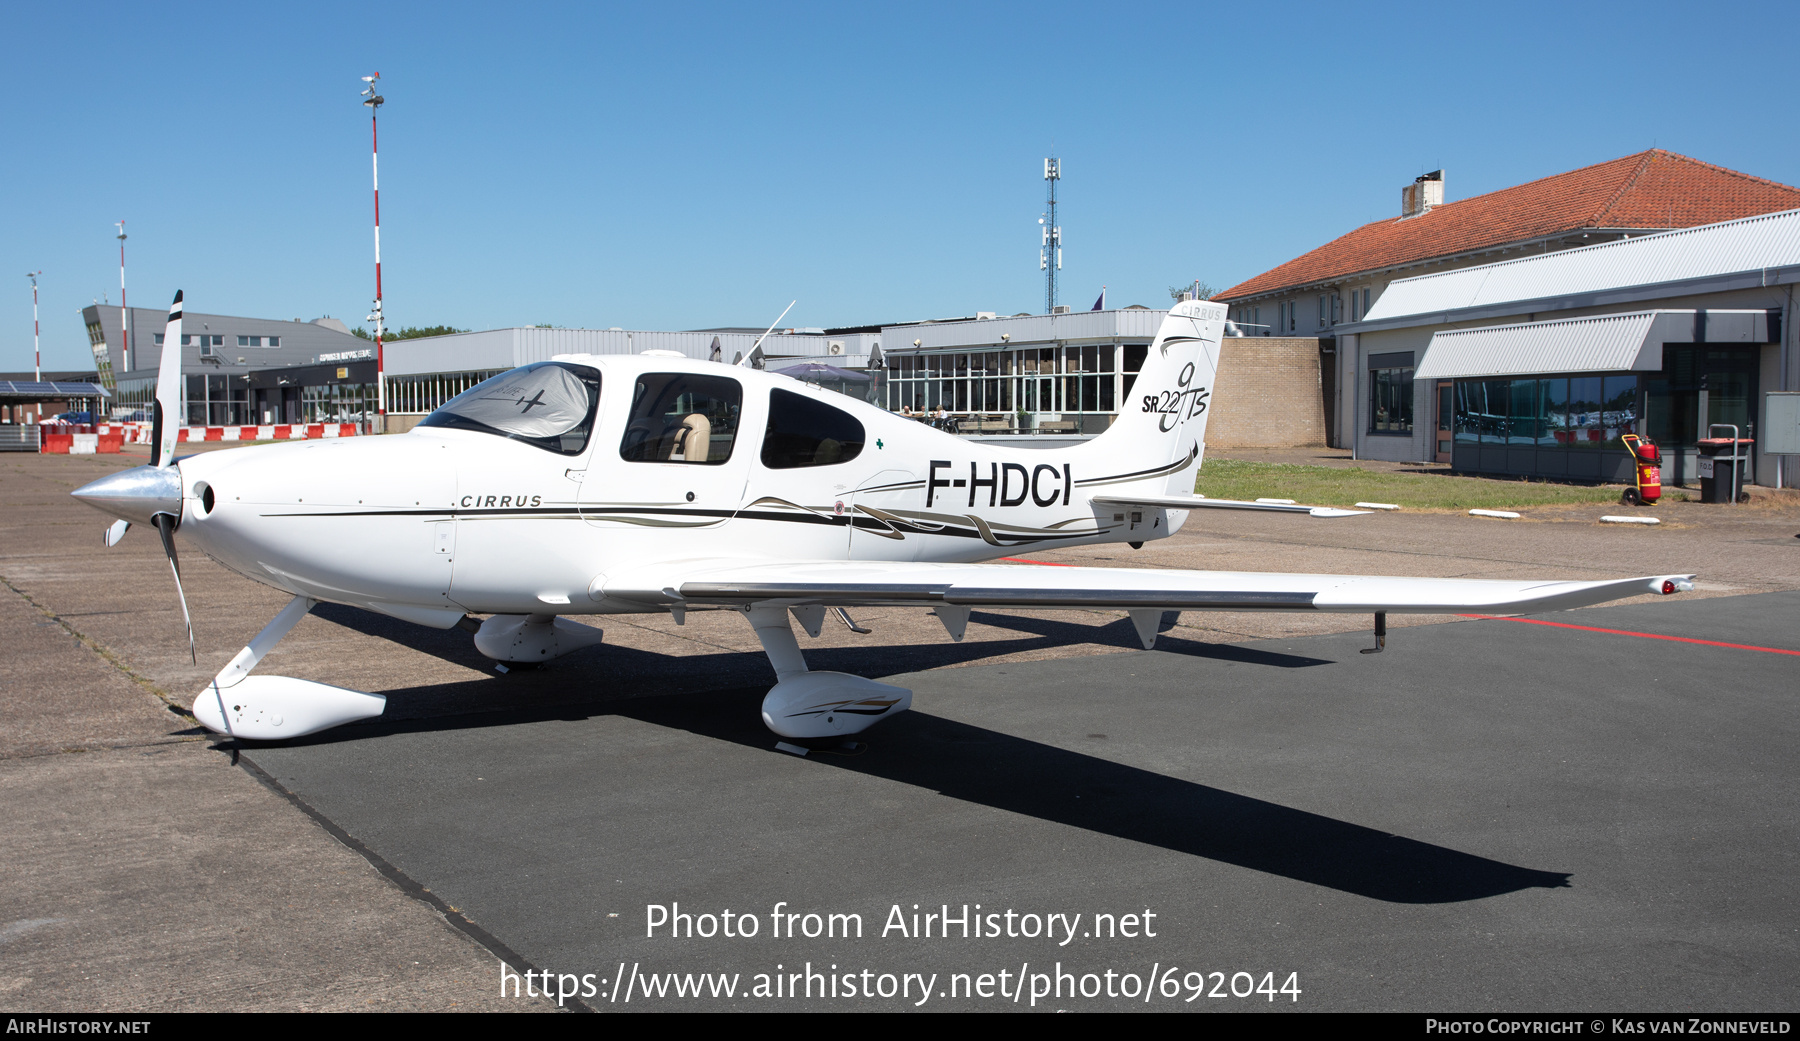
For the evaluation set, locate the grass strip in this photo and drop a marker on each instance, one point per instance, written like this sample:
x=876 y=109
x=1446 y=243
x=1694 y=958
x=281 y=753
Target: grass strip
x=1343 y=486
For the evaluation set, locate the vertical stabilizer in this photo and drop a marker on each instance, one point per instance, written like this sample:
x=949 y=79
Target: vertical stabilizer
x=1160 y=435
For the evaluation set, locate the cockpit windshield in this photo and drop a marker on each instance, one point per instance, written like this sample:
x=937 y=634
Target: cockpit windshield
x=549 y=404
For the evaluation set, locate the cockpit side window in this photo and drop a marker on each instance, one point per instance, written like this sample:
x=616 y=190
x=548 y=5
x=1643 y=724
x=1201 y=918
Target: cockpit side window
x=679 y=417
x=804 y=431
x=549 y=404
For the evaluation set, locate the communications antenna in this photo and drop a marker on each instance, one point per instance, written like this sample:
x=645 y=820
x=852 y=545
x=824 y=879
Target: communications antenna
x=1050 y=253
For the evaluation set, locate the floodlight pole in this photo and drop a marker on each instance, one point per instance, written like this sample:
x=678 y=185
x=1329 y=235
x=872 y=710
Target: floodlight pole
x=124 y=313
x=374 y=101
x=37 y=354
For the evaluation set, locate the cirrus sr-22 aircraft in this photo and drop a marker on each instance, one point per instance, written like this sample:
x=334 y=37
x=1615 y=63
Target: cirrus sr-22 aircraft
x=590 y=485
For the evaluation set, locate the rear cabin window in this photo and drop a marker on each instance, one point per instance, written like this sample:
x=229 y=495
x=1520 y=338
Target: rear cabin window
x=677 y=417
x=549 y=404
x=804 y=431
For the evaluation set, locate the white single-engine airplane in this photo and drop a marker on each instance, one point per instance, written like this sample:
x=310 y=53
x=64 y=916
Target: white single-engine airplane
x=592 y=485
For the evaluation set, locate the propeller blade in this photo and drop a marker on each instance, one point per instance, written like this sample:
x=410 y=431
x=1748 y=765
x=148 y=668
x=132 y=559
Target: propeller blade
x=165 y=526
x=166 y=415
x=116 y=532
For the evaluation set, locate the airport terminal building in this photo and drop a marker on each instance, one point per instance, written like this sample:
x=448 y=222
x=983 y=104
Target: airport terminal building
x=1536 y=367
x=237 y=371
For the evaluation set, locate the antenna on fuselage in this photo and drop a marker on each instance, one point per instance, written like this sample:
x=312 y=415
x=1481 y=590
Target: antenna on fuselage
x=752 y=356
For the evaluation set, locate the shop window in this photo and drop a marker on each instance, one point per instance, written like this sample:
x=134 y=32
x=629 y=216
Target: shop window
x=682 y=418
x=803 y=431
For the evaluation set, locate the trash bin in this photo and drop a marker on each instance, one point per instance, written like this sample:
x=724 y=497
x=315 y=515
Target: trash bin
x=1723 y=465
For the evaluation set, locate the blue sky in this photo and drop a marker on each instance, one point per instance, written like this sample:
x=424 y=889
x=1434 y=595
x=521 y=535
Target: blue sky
x=687 y=165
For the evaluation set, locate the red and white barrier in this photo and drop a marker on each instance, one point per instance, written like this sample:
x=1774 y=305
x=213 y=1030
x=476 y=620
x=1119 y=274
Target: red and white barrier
x=282 y=432
x=106 y=437
x=78 y=444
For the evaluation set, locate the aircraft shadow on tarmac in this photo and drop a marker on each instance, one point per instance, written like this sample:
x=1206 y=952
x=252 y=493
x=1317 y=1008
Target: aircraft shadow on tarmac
x=981 y=766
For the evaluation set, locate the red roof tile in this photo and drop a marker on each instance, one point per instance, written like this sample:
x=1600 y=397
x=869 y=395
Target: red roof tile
x=1653 y=189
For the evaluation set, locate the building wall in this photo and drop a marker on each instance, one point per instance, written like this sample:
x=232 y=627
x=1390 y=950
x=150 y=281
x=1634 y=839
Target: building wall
x=1353 y=379
x=1354 y=349
x=1267 y=394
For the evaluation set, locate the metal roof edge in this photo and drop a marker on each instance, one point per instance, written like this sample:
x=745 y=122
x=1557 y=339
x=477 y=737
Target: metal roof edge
x=1753 y=278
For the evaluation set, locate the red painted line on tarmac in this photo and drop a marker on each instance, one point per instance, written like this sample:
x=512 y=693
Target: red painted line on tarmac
x=1040 y=563
x=1627 y=632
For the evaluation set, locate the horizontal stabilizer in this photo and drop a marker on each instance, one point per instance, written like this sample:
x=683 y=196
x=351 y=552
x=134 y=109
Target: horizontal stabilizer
x=1201 y=502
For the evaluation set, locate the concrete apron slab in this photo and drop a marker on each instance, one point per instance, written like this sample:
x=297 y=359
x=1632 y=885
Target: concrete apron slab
x=1491 y=815
x=100 y=650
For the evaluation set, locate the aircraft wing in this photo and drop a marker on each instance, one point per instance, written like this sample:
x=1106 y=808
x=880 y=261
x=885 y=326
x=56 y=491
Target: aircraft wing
x=1201 y=502
x=844 y=583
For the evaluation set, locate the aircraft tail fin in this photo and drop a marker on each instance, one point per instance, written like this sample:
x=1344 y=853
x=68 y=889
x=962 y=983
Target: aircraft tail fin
x=1160 y=436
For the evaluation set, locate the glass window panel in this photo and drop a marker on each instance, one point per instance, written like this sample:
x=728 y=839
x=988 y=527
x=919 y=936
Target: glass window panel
x=805 y=432
x=1496 y=398
x=1585 y=427
x=1620 y=412
x=682 y=418
x=1558 y=431
x=1390 y=401
x=1527 y=413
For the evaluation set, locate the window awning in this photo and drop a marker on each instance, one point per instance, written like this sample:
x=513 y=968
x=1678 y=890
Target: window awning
x=1630 y=342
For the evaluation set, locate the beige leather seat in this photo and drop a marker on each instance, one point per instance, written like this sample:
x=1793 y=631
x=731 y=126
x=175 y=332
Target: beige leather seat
x=692 y=441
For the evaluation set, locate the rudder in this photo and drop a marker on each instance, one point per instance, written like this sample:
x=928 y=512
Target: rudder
x=1160 y=435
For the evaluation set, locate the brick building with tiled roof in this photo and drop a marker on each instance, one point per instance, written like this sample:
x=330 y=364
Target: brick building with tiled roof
x=1654 y=190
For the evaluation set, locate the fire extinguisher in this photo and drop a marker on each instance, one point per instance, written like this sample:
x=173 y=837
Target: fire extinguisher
x=1648 y=471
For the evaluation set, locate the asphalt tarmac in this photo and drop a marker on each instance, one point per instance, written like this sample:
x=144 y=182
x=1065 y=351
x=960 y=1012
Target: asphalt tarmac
x=1489 y=815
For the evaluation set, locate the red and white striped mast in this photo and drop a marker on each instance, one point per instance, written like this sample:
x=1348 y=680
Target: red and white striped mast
x=124 y=313
x=37 y=354
x=374 y=102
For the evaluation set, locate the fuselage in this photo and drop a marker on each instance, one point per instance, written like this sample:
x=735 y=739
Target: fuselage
x=502 y=512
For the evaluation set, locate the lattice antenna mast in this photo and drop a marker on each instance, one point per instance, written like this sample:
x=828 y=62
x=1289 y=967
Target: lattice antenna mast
x=1050 y=254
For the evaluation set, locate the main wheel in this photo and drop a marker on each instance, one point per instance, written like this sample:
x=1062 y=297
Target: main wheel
x=1631 y=498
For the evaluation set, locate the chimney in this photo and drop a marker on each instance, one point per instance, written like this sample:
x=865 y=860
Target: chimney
x=1425 y=192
